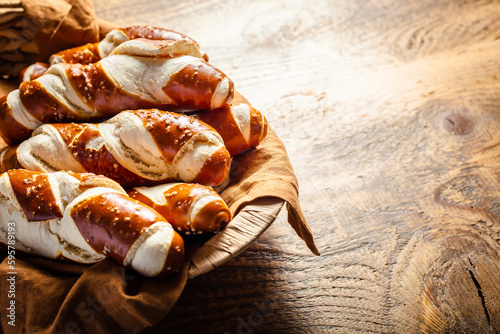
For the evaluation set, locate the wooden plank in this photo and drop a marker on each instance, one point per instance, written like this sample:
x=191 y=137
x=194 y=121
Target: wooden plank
x=389 y=111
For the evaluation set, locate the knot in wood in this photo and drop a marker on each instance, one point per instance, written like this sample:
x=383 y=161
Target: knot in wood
x=457 y=123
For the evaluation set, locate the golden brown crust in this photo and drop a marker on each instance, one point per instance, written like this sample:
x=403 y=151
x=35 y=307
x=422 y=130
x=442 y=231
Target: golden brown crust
x=223 y=121
x=214 y=216
x=193 y=86
x=175 y=256
x=44 y=106
x=97 y=161
x=155 y=33
x=109 y=221
x=34 y=195
x=84 y=54
x=89 y=53
x=112 y=222
x=190 y=89
x=169 y=133
x=133 y=193
x=94 y=87
x=215 y=169
x=179 y=200
x=11 y=130
x=258 y=128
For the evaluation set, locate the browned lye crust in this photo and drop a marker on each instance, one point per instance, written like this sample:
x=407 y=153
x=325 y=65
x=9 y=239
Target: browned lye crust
x=84 y=54
x=133 y=193
x=193 y=86
x=176 y=208
x=34 y=195
x=8 y=159
x=155 y=33
x=88 y=53
x=223 y=121
x=215 y=169
x=44 y=106
x=11 y=130
x=99 y=161
x=175 y=256
x=258 y=127
x=214 y=216
x=100 y=93
x=112 y=222
x=170 y=134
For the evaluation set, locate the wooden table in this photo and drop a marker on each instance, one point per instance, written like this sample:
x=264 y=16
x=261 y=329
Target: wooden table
x=390 y=111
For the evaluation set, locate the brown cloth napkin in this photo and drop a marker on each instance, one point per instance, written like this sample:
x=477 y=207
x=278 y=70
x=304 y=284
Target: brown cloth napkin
x=266 y=172
x=55 y=297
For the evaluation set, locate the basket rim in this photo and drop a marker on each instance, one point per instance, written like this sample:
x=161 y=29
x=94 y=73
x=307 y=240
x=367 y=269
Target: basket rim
x=241 y=232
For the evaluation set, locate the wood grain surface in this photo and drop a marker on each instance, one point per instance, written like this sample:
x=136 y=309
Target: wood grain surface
x=390 y=112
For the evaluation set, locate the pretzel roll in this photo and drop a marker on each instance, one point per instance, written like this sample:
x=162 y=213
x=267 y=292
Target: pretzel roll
x=241 y=126
x=35 y=202
x=155 y=33
x=85 y=218
x=127 y=231
x=135 y=148
x=93 y=52
x=177 y=44
x=80 y=93
x=189 y=207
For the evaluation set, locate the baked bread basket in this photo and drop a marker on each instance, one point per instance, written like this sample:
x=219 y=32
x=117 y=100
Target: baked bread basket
x=261 y=181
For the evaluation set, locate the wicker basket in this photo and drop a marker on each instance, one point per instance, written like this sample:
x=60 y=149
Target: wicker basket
x=17 y=48
x=244 y=229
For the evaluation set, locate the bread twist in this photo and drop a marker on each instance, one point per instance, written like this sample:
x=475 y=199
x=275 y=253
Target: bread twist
x=189 y=207
x=93 y=52
x=85 y=218
x=241 y=126
x=79 y=93
x=135 y=148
